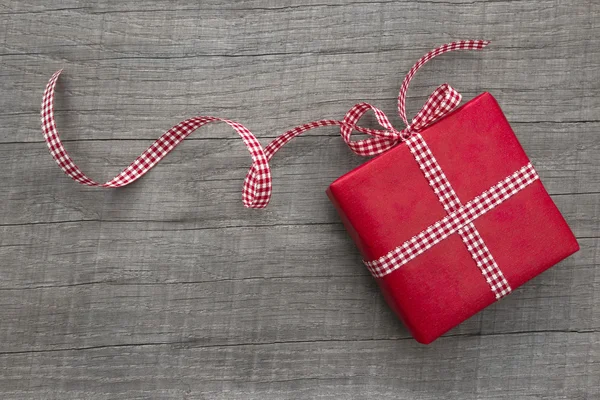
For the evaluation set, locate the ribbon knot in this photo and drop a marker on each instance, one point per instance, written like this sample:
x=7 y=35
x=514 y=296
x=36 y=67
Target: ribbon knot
x=257 y=185
x=440 y=103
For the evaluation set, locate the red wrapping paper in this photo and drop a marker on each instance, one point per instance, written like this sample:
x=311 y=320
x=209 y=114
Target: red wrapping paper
x=387 y=200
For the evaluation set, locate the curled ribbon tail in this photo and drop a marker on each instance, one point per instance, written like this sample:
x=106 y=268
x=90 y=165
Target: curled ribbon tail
x=53 y=140
x=256 y=193
x=257 y=184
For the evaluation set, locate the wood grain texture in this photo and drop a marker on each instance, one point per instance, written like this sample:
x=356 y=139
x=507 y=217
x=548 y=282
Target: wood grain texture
x=170 y=289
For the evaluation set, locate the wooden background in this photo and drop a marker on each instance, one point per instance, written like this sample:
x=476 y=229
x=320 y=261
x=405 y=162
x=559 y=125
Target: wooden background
x=171 y=289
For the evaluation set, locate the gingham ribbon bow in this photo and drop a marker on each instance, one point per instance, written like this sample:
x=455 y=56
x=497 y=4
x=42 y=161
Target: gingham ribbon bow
x=256 y=192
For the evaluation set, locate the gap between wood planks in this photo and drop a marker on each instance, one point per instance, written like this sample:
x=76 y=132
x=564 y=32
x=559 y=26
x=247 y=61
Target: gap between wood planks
x=191 y=343
x=201 y=228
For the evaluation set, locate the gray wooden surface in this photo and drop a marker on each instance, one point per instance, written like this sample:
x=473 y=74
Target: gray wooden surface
x=170 y=289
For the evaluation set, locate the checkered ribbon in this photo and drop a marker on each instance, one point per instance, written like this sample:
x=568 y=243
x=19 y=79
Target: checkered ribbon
x=257 y=185
x=456 y=221
x=256 y=192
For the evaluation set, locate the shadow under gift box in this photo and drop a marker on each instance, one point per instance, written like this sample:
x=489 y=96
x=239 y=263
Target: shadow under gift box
x=387 y=200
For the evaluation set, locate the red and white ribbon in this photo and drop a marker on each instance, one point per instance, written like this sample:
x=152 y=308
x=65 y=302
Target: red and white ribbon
x=257 y=185
x=256 y=192
x=451 y=203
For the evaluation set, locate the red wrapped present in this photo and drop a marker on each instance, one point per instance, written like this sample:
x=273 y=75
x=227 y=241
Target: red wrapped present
x=451 y=218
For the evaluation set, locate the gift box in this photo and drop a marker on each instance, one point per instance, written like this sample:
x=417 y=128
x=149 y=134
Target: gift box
x=452 y=219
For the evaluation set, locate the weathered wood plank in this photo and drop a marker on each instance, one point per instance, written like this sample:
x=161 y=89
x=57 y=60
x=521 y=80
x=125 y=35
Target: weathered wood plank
x=201 y=181
x=319 y=369
x=204 y=281
x=133 y=82
x=171 y=289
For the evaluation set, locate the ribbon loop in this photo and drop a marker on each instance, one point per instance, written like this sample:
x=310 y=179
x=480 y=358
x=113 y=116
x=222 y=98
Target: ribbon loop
x=380 y=140
x=441 y=102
